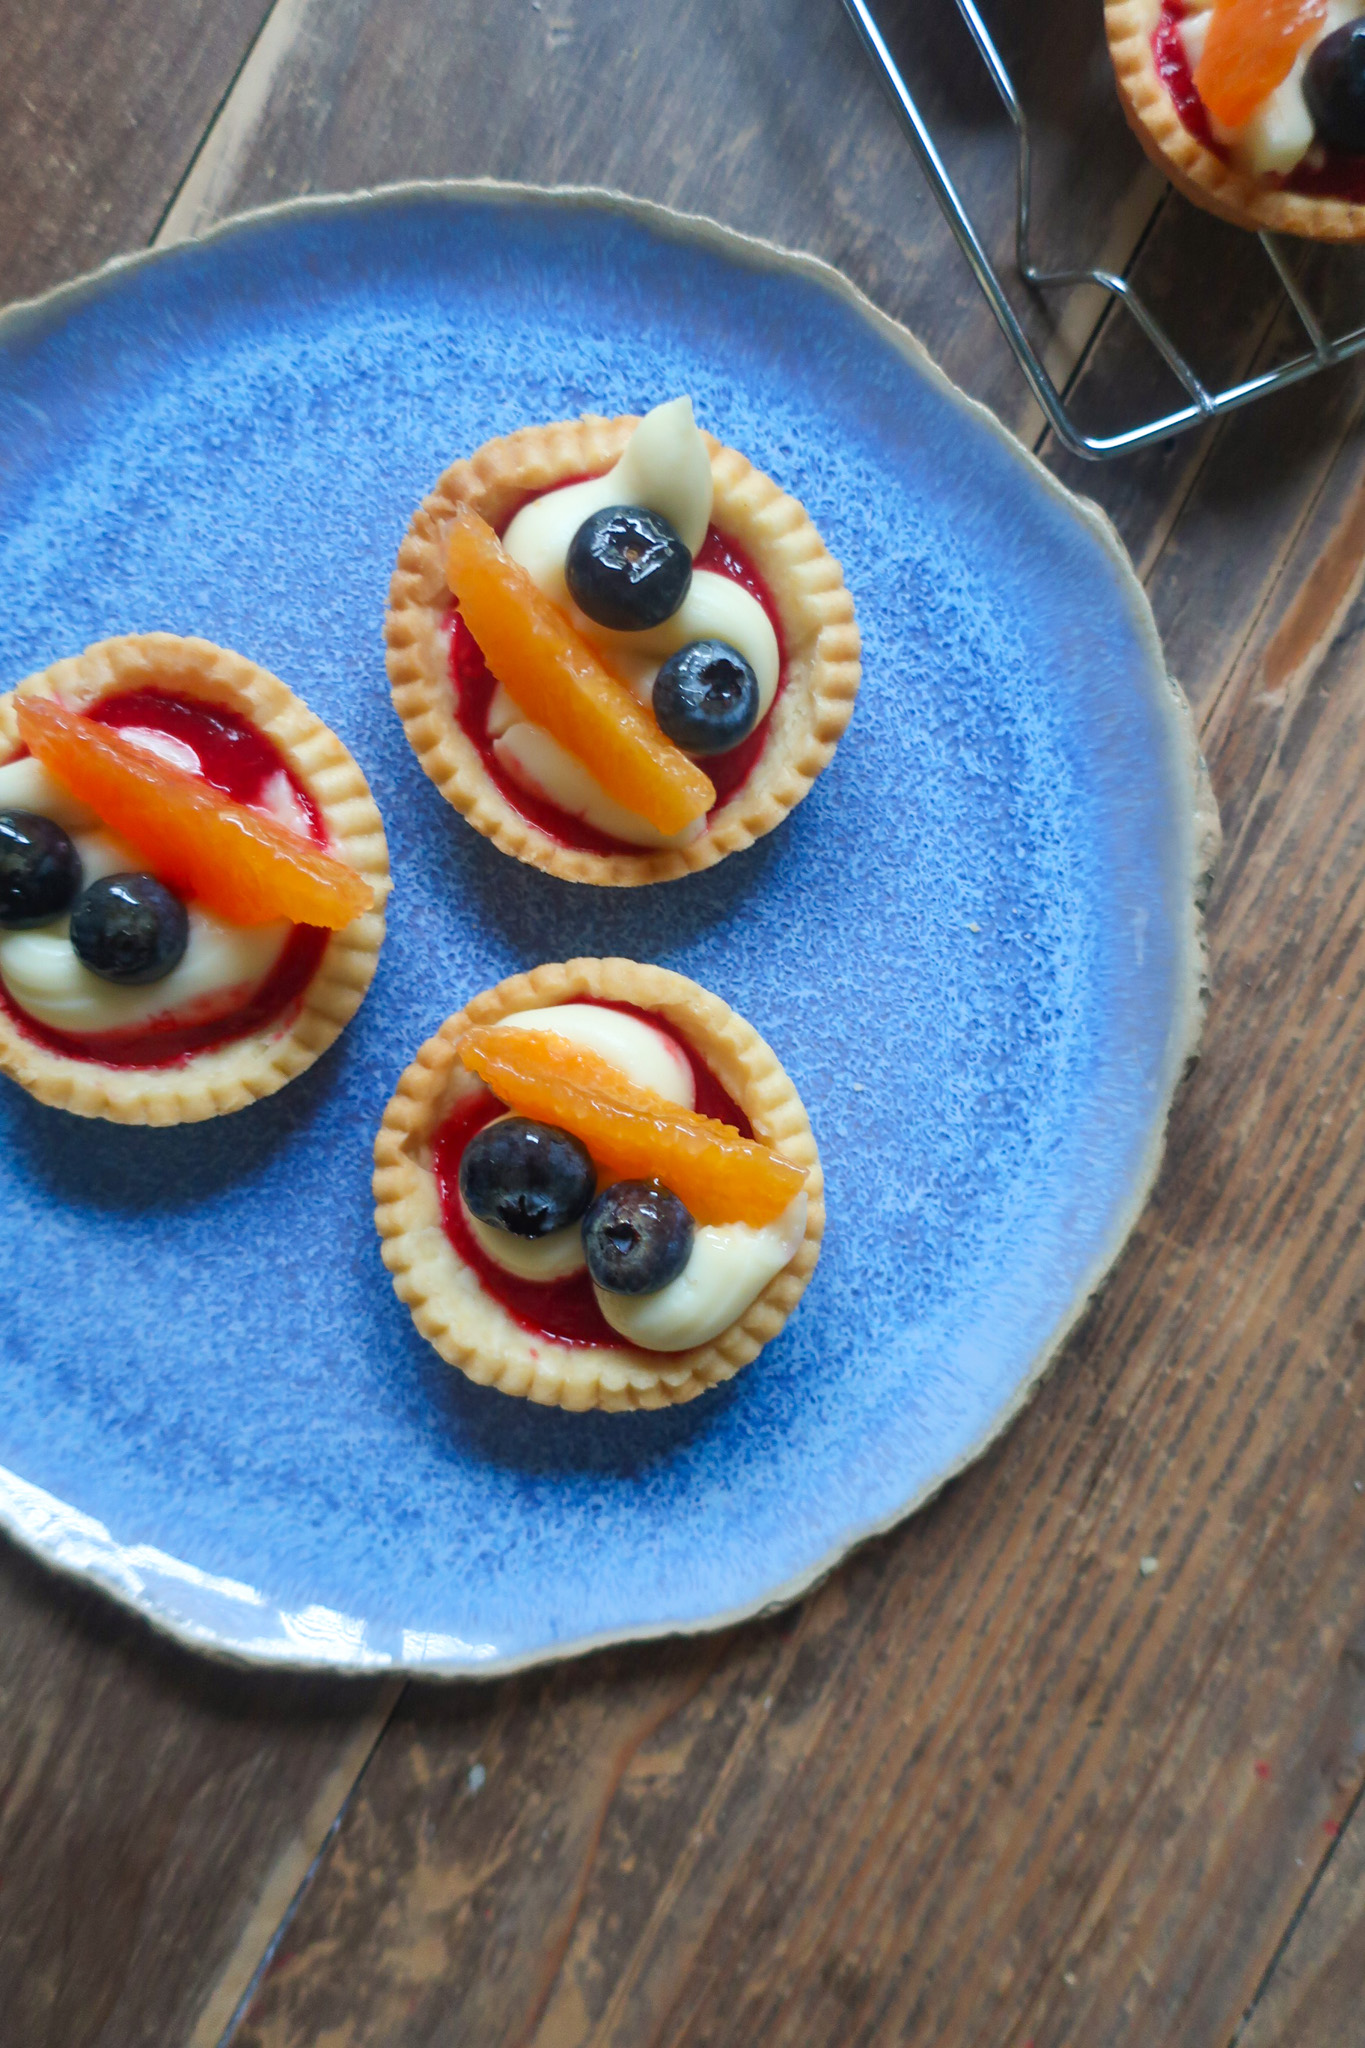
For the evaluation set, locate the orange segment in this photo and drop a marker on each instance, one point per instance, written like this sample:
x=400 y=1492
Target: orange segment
x=631 y=1132
x=558 y=680
x=1250 y=49
x=238 y=862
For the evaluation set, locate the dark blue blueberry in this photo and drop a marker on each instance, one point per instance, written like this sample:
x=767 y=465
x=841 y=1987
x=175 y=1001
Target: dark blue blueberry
x=706 y=698
x=637 y=1236
x=40 y=870
x=525 y=1177
x=130 y=929
x=1334 y=87
x=627 y=568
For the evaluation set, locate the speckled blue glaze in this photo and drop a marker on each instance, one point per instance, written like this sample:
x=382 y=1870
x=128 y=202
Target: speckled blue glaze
x=972 y=945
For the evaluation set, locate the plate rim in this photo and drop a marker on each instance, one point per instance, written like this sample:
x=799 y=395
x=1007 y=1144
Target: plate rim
x=77 y=1546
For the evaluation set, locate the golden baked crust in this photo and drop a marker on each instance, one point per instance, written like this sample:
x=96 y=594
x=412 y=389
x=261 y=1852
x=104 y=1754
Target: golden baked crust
x=224 y=1077
x=1194 y=170
x=819 y=636
x=448 y=1304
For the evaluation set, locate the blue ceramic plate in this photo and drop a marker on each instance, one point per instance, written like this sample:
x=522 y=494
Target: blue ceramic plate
x=975 y=946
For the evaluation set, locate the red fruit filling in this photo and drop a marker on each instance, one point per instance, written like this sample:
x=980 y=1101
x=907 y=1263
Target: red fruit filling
x=1323 y=173
x=474 y=685
x=240 y=761
x=564 y=1311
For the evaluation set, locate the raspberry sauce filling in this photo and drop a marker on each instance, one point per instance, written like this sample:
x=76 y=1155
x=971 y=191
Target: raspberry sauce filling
x=1322 y=174
x=474 y=686
x=564 y=1311
x=240 y=761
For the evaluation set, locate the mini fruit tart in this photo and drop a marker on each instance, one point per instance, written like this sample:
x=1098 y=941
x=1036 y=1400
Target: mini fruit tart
x=1254 y=109
x=595 y=1187
x=618 y=648
x=192 y=882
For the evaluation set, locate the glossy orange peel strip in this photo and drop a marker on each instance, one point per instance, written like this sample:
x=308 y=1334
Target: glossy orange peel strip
x=1249 y=50
x=238 y=862
x=554 y=676
x=632 y=1133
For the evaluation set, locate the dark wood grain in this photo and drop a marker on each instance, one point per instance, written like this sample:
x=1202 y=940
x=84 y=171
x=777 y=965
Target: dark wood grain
x=1063 y=1761
x=1317 y=1992
x=101 y=110
x=150 y=1805
x=995 y=1782
x=767 y=118
x=156 y=1815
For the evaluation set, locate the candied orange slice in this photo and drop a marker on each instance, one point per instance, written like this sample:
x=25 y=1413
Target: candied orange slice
x=237 y=861
x=557 y=679
x=631 y=1132
x=1250 y=49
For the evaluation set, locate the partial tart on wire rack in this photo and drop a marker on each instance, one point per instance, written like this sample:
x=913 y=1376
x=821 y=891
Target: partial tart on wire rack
x=620 y=650
x=192 y=882
x=1255 y=109
x=597 y=1188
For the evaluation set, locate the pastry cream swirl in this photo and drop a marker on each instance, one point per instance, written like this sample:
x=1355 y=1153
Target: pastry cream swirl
x=664 y=467
x=222 y=967
x=730 y=1263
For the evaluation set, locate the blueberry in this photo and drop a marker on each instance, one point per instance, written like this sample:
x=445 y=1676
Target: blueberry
x=637 y=1236
x=1334 y=87
x=130 y=929
x=527 y=1178
x=706 y=698
x=40 y=870
x=627 y=568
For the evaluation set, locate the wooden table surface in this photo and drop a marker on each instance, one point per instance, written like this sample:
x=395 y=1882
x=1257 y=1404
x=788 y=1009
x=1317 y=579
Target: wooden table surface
x=998 y=1782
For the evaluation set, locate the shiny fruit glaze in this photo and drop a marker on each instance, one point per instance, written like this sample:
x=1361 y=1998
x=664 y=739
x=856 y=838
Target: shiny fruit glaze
x=564 y=1311
x=1250 y=50
x=559 y=681
x=1323 y=174
x=240 y=862
x=239 y=761
x=474 y=687
x=632 y=1133
x=233 y=756
x=1173 y=69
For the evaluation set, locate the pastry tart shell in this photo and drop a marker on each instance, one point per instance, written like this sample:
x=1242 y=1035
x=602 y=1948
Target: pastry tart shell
x=1194 y=170
x=815 y=613
x=229 y=1076
x=446 y=1300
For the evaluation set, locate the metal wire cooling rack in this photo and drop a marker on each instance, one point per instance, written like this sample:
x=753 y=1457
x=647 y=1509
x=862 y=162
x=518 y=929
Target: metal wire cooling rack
x=1322 y=352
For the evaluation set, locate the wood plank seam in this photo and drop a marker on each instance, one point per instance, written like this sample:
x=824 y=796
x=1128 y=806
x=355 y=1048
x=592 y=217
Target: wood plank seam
x=154 y=239
x=1233 y=662
x=1237 y=653
x=192 y=208
x=967 y=1714
x=1295 y=682
x=1087 y=309
x=1354 y=1811
x=201 y=155
x=1012 y=1847
x=1096 y=1907
x=184 y=212
x=969 y=1717
x=1110 y=309
x=1323 y=1310
x=1205 y=440
x=650 y=1725
x=670 y=1891
x=261 y=1937
x=1308 y=658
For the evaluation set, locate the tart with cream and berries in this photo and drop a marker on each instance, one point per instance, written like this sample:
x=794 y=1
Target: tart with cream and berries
x=1254 y=109
x=596 y=1188
x=192 y=882
x=618 y=648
